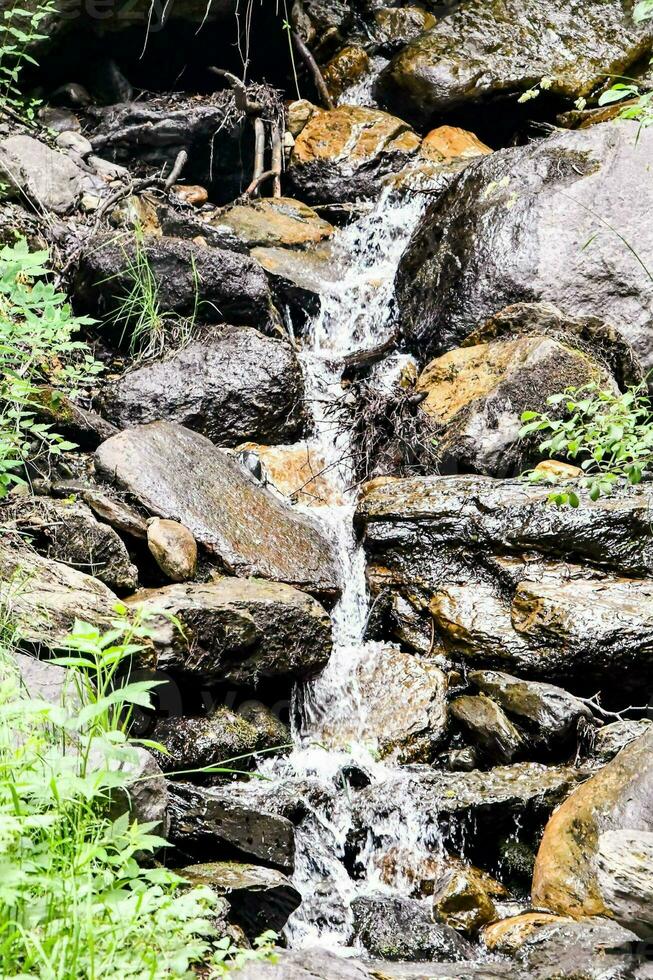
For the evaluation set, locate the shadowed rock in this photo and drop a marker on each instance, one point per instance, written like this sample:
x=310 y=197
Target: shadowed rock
x=231 y=385
x=404 y=929
x=240 y=630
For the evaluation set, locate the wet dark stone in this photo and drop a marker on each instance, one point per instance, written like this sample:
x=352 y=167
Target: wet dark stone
x=404 y=929
x=232 y=385
x=215 y=822
x=514 y=227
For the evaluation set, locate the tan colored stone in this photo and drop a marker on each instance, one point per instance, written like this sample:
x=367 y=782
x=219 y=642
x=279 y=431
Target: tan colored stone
x=174 y=549
x=298 y=114
x=398 y=25
x=193 y=194
x=447 y=143
x=461 y=899
x=346 y=68
x=355 y=133
x=619 y=797
x=555 y=470
x=296 y=472
x=508 y=935
x=137 y=211
x=272 y=222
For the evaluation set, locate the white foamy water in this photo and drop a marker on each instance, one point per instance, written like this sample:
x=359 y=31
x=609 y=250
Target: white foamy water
x=330 y=712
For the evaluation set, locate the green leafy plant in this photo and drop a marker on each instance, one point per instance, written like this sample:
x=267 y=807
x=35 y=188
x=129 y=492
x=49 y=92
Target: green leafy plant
x=38 y=345
x=19 y=29
x=640 y=103
x=79 y=898
x=608 y=434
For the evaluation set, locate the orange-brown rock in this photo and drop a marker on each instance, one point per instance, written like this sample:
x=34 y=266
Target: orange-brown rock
x=447 y=143
x=508 y=935
x=193 y=194
x=174 y=549
x=297 y=472
x=619 y=797
x=346 y=68
x=272 y=222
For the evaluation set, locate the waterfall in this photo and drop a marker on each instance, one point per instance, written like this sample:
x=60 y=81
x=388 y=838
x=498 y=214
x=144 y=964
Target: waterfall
x=355 y=314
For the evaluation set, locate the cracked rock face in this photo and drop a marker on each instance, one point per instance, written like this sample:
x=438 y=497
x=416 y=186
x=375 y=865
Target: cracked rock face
x=180 y=475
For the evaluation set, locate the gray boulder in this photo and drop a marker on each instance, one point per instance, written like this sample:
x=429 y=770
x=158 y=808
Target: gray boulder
x=240 y=630
x=49 y=179
x=404 y=929
x=549 y=713
x=514 y=227
x=220 y=821
x=216 y=284
x=232 y=385
x=44 y=681
x=624 y=863
x=179 y=474
x=611 y=739
x=593 y=949
x=482 y=51
x=260 y=898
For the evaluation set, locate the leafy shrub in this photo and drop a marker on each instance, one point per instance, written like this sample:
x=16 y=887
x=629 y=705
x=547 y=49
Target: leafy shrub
x=18 y=29
x=609 y=435
x=37 y=345
x=76 y=899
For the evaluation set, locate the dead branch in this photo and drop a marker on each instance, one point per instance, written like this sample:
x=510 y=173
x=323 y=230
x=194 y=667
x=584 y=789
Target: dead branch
x=277 y=159
x=145 y=183
x=594 y=705
x=256 y=184
x=259 y=154
x=314 y=70
x=243 y=101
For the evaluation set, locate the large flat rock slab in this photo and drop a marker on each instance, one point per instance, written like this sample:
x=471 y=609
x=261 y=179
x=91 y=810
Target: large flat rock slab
x=179 y=474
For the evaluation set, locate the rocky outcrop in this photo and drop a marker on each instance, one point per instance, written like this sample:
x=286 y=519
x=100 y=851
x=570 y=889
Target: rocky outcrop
x=515 y=226
x=348 y=66
x=272 y=222
x=46 y=596
x=215 y=821
x=42 y=681
x=180 y=475
x=240 y=630
x=259 y=898
x=68 y=532
x=485 y=558
x=463 y=898
x=610 y=739
x=484 y=51
x=618 y=798
x=404 y=929
x=394 y=27
x=231 y=384
x=298 y=472
x=86 y=428
x=342 y=154
x=188 y=277
x=476 y=394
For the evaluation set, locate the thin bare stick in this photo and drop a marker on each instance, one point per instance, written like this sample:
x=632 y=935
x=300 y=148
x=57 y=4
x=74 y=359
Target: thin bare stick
x=259 y=153
x=256 y=184
x=277 y=160
x=314 y=69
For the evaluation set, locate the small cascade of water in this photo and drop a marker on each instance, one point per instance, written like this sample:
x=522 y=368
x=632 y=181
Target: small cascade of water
x=330 y=712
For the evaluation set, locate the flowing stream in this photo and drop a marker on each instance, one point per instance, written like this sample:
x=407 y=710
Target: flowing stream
x=329 y=712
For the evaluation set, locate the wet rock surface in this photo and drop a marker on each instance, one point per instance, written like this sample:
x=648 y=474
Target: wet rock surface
x=46 y=177
x=403 y=929
x=231 y=385
x=215 y=819
x=240 y=630
x=229 y=286
x=259 y=898
x=483 y=51
x=274 y=222
x=341 y=154
x=463 y=265
x=180 y=475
